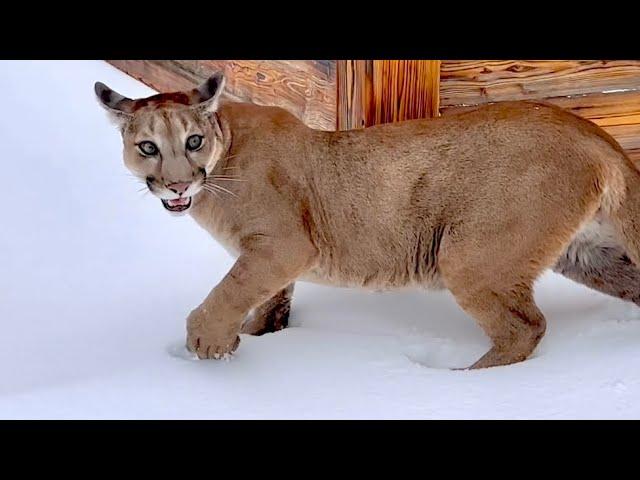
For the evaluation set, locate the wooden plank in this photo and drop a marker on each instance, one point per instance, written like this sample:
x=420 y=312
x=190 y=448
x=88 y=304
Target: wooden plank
x=617 y=113
x=482 y=81
x=161 y=75
x=605 y=109
x=629 y=138
x=371 y=92
x=305 y=88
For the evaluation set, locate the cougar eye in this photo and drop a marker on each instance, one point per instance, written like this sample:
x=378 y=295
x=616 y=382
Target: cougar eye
x=148 y=148
x=194 y=142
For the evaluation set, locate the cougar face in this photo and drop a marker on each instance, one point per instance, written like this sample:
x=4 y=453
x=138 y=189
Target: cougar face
x=172 y=141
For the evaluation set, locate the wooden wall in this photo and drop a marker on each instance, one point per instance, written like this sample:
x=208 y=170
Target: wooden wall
x=307 y=88
x=346 y=94
x=605 y=92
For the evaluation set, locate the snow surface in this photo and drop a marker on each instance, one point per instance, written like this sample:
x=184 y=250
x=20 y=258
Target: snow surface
x=97 y=280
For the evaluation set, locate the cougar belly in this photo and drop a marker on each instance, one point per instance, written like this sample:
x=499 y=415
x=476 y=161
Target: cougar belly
x=412 y=262
x=376 y=282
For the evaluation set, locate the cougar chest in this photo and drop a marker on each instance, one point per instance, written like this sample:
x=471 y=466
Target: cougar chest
x=215 y=220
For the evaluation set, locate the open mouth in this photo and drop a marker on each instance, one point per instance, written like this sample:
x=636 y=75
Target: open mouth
x=178 y=205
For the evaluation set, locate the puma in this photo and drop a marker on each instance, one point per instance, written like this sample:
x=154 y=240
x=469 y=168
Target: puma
x=479 y=203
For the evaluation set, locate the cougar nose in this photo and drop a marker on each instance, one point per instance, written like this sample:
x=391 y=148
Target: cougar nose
x=179 y=187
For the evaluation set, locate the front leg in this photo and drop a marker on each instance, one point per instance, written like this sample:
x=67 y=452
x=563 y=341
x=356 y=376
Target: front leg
x=264 y=267
x=272 y=315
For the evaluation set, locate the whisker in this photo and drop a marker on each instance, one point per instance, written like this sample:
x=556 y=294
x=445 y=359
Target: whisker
x=210 y=190
x=230 y=179
x=220 y=189
x=208 y=186
x=223 y=189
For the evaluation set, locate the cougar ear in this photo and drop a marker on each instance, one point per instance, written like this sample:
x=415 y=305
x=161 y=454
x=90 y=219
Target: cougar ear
x=120 y=108
x=205 y=98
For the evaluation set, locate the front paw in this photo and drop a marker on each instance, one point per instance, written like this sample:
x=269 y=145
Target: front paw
x=208 y=337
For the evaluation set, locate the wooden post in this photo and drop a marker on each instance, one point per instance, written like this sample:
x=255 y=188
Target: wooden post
x=371 y=92
x=355 y=94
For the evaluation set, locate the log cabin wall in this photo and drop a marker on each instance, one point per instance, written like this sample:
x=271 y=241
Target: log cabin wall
x=306 y=88
x=605 y=92
x=346 y=94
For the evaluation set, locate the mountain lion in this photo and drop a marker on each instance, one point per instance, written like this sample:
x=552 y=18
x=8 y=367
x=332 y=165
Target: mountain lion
x=479 y=203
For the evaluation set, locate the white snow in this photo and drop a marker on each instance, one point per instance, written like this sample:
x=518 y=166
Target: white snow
x=97 y=279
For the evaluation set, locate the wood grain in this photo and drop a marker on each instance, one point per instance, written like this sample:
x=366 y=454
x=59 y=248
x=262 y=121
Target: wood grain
x=305 y=88
x=161 y=75
x=355 y=94
x=372 y=92
x=405 y=89
x=604 y=109
x=481 y=81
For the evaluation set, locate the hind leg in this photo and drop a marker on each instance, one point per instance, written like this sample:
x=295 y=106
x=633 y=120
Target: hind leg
x=512 y=321
x=491 y=272
x=491 y=277
x=596 y=260
x=497 y=292
x=502 y=242
x=272 y=315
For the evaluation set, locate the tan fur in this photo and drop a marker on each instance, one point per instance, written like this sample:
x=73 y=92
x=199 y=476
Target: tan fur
x=479 y=203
